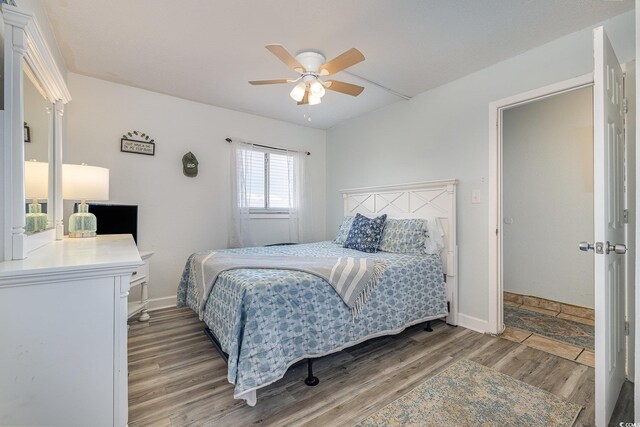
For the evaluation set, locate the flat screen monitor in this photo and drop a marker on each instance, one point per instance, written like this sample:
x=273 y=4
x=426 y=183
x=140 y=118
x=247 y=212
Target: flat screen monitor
x=115 y=219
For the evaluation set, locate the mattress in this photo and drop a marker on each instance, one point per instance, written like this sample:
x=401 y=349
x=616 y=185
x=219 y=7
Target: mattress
x=266 y=320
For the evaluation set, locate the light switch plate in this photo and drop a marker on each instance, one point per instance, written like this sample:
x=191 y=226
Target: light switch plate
x=475 y=196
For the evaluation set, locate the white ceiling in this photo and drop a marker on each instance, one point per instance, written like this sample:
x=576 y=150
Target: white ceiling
x=207 y=50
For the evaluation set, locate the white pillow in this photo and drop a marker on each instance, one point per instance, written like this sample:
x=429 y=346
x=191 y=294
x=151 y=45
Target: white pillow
x=435 y=242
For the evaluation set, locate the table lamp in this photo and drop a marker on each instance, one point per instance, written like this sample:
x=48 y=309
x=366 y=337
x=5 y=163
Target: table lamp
x=82 y=182
x=36 y=186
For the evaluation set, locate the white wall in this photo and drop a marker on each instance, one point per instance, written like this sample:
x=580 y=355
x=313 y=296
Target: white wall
x=443 y=133
x=178 y=215
x=548 y=198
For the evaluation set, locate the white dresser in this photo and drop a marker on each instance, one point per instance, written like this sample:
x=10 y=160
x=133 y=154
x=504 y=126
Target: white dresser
x=63 y=333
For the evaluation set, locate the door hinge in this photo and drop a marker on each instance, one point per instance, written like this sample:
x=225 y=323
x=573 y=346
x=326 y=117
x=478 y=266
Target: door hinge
x=625 y=216
x=626 y=328
x=496 y=231
x=625 y=105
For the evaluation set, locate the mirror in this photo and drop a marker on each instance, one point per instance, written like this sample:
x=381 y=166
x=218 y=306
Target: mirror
x=28 y=62
x=37 y=140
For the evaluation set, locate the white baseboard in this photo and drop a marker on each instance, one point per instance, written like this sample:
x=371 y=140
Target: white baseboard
x=164 y=302
x=473 y=323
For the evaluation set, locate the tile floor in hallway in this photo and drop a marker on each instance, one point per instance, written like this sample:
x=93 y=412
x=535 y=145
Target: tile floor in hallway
x=548 y=331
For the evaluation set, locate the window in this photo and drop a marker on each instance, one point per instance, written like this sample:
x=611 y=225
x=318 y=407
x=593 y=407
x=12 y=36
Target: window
x=268 y=181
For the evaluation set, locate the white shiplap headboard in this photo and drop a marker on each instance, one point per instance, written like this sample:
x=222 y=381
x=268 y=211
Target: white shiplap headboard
x=431 y=199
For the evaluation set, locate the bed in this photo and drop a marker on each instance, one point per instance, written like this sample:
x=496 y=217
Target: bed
x=265 y=320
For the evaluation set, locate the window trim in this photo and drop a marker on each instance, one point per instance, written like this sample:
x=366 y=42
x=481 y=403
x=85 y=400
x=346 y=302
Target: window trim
x=268 y=215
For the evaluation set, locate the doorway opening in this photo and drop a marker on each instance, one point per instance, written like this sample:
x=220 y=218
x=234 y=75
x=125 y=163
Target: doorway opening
x=496 y=183
x=547 y=207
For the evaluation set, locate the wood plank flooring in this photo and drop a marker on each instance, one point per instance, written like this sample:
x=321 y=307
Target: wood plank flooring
x=176 y=378
x=623 y=412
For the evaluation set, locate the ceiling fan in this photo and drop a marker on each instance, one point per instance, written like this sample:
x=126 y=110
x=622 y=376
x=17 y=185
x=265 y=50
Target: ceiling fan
x=312 y=68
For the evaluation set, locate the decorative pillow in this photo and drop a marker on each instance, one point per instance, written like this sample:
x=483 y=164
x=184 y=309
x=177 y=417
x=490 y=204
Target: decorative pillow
x=365 y=233
x=404 y=236
x=343 y=231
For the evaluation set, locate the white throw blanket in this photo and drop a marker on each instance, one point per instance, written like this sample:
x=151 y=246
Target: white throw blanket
x=352 y=278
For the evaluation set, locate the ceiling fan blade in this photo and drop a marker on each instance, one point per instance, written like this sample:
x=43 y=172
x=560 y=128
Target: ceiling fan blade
x=284 y=56
x=342 y=87
x=339 y=63
x=305 y=99
x=268 y=82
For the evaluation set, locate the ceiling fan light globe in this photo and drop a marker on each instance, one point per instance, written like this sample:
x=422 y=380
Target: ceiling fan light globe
x=313 y=99
x=297 y=93
x=317 y=89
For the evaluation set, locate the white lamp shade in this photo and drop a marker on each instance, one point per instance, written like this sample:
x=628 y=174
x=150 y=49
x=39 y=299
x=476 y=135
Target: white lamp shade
x=314 y=100
x=36 y=180
x=317 y=89
x=297 y=93
x=82 y=182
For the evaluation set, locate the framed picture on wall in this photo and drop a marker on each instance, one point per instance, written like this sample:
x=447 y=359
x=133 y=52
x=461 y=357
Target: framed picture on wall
x=27 y=133
x=137 y=147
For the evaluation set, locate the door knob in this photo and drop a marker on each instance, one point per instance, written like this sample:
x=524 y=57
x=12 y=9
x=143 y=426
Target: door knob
x=585 y=246
x=618 y=248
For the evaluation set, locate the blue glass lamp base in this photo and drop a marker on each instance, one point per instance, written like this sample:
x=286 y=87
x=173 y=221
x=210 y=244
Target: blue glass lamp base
x=35 y=222
x=83 y=223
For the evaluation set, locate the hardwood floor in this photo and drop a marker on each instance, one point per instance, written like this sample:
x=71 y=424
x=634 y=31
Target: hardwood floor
x=623 y=412
x=176 y=378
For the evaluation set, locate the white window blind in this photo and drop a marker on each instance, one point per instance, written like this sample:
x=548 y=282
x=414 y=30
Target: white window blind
x=256 y=181
x=269 y=180
x=279 y=177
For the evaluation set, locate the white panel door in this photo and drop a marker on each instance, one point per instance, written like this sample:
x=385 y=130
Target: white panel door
x=609 y=230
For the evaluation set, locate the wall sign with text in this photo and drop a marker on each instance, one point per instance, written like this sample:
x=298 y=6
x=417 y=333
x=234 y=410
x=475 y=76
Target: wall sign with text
x=138 y=143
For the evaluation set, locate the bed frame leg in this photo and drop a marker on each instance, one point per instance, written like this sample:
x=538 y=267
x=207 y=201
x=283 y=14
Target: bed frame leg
x=311 y=380
x=428 y=328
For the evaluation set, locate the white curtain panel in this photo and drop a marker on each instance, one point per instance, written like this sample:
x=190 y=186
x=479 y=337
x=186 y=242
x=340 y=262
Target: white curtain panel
x=243 y=165
x=298 y=196
x=240 y=235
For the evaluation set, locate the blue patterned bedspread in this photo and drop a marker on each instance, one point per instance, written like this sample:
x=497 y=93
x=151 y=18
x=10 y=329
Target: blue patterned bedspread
x=266 y=320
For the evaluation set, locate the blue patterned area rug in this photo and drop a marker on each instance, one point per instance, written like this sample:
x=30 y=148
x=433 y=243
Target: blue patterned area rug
x=470 y=394
x=548 y=326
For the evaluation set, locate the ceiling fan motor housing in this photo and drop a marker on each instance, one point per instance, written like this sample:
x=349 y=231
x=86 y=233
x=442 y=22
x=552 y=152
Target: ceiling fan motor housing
x=311 y=61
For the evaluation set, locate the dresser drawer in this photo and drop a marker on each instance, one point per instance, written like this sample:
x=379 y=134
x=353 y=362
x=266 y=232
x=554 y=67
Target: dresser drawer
x=141 y=274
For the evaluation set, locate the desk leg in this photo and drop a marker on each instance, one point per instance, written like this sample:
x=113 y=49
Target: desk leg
x=144 y=299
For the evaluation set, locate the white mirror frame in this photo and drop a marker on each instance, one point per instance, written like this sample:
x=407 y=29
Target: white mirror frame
x=23 y=40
